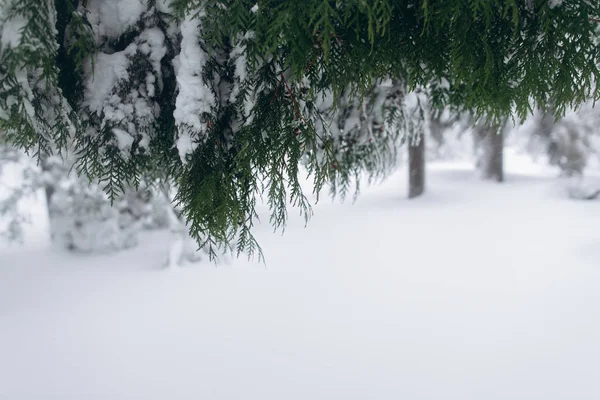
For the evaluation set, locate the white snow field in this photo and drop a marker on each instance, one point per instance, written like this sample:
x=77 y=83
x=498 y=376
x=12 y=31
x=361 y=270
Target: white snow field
x=477 y=291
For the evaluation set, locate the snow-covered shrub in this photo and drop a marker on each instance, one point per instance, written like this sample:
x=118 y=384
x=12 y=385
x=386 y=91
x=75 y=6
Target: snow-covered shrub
x=83 y=220
x=568 y=149
x=81 y=216
x=19 y=179
x=569 y=141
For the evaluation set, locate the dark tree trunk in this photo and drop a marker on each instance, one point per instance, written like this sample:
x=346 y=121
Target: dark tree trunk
x=494 y=166
x=416 y=167
x=48 y=186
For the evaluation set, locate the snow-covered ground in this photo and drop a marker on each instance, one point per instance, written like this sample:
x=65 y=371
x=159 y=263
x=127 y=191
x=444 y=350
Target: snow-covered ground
x=477 y=291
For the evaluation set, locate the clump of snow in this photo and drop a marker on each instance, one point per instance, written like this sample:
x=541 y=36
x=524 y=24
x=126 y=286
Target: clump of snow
x=185 y=145
x=238 y=54
x=124 y=139
x=10 y=35
x=100 y=82
x=195 y=96
x=132 y=111
x=153 y=40
x=112 y=18
x=110 y=69
x=163 y=6
x=555 y=3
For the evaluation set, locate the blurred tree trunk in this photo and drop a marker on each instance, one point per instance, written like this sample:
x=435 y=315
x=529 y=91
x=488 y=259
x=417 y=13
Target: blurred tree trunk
x=49 y=187
x=491 y=158
x=416 y=166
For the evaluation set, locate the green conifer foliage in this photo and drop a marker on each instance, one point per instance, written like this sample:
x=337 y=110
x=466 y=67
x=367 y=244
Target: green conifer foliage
x=229 y=98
